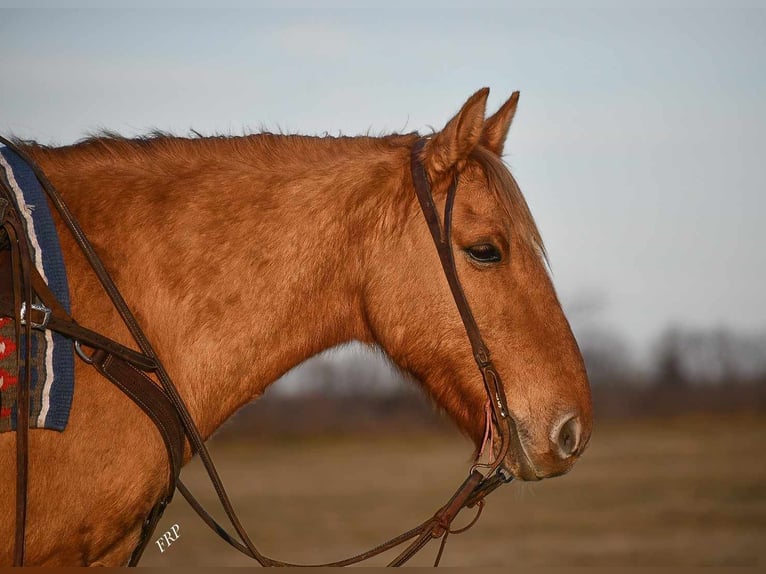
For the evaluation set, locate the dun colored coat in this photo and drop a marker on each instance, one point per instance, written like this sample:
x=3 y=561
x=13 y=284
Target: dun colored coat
x=243 y=256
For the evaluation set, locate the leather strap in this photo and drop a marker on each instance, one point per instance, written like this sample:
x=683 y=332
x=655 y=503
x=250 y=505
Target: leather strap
x=120 y=369
x=473 y=491
x=152 y=400
x=441 y=235
x=147 y=530
x=155 y=403
x=139 y=388
x=130 y=321
x=20 y=262
x=116 y=362
x=60 y=321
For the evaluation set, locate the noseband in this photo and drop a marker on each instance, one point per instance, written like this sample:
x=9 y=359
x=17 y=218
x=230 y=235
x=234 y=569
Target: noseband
x=161 y=401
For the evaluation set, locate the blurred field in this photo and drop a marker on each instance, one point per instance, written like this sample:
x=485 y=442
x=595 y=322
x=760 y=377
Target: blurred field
x=673 y=491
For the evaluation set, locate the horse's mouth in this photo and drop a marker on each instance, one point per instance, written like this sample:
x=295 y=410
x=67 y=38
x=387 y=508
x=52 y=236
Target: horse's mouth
x=517 y=460
x=522 y=465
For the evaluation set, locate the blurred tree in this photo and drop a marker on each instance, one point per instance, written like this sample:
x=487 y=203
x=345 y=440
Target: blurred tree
x=669 y=359
x=709 y=356
x=607 y=355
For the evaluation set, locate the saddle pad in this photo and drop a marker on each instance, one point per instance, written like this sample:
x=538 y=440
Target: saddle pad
x=52 y=353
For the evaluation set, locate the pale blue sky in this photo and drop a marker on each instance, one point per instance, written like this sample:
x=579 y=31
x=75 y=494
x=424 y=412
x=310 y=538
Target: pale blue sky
x=639 y=140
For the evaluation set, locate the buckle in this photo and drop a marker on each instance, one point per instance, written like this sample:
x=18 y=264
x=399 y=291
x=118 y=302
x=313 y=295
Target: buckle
x=482 y=357
x=82 y=354
x=504 y=475
x=35 y=307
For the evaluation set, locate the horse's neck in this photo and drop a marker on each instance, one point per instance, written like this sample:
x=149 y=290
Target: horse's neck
x=238 y=271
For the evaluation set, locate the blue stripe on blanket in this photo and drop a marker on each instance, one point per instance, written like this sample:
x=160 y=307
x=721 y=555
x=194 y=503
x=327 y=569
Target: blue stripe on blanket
x=53 y=371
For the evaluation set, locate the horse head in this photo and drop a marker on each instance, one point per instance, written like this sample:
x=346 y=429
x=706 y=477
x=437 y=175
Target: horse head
x=502 y=267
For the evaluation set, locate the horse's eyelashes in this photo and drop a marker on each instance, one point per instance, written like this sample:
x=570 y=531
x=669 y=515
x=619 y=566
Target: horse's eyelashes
x=484 y=253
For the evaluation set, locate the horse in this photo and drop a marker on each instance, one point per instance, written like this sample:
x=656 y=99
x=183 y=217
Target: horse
x=244 y=256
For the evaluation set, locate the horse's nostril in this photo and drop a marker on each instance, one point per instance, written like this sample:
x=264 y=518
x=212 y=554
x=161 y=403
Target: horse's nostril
x=568 y=437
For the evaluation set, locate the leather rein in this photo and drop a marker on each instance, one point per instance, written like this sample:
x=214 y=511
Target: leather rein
x=137 y=374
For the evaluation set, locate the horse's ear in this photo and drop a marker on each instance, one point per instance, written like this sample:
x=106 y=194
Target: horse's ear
x=496 y=127
x=451 y=146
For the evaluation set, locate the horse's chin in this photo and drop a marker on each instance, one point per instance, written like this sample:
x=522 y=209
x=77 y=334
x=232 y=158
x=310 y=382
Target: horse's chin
x=528 y=471
x=525 y=472
x=521 y=463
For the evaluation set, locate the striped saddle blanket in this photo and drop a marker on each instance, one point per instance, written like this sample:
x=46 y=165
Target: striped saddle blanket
x=52 y=375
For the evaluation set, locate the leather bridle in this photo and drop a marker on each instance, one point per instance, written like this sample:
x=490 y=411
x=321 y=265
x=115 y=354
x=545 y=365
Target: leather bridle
x=130 y=371
x=442 y=236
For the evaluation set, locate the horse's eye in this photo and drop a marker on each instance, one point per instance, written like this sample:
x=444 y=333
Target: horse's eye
x=484 y=253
